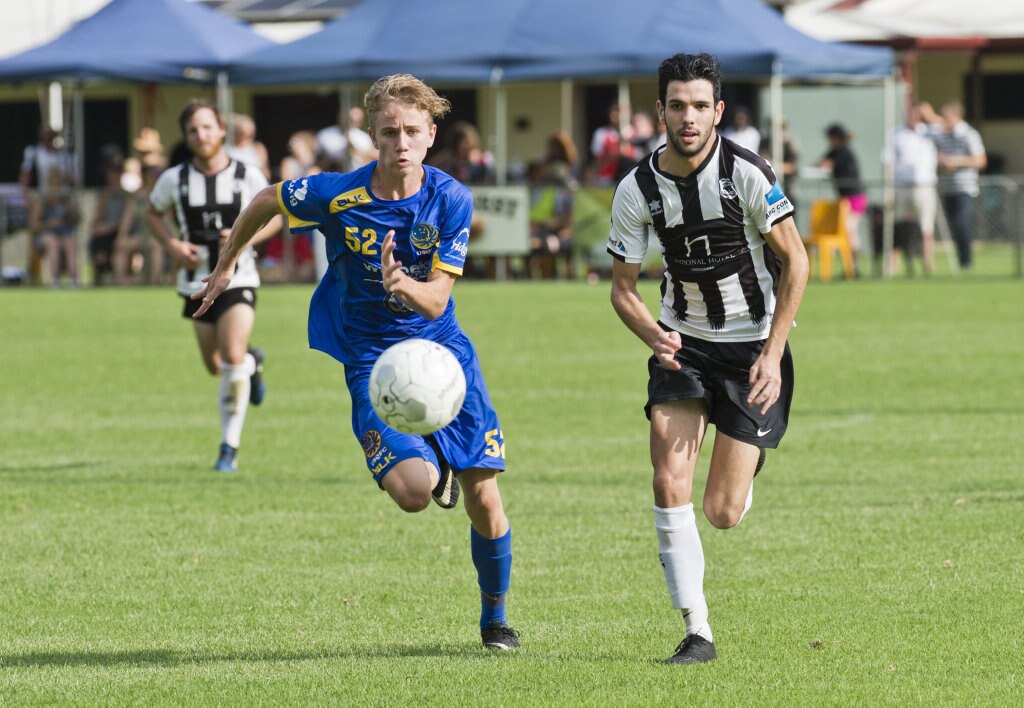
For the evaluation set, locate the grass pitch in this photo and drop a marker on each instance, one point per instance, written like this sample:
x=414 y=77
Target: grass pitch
x=881 y=563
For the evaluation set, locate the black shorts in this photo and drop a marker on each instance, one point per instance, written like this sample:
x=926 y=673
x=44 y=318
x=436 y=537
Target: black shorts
x=719 y=374
x=227 y=299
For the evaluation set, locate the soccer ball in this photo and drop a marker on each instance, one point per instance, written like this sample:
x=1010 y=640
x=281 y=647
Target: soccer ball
x=417 y=386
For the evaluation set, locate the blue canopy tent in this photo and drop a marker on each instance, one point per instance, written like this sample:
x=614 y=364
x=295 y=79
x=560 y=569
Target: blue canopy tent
x=139 y=40
x=167 y=41
x=476 y=41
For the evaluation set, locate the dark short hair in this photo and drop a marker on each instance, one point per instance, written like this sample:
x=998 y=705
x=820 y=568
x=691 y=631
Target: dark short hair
x=837 y=130
x=690 y=67
x=194 y=106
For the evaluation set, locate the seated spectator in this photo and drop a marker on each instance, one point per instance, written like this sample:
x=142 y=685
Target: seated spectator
x=111 y=205
x=551 y=228
x=53 y=220
x=134 y=249
x=462 y=157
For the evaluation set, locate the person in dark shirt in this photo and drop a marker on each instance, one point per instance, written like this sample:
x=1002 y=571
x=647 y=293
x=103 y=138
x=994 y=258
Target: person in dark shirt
x=842 y=163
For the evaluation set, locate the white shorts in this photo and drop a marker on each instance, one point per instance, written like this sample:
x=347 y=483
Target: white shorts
x=918 y=203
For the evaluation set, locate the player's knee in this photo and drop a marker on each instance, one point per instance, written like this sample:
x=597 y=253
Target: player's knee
x=721 y=513
x=411 y=503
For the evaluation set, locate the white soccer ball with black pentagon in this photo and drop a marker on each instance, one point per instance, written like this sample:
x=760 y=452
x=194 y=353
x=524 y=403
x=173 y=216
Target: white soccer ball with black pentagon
x=417 y=386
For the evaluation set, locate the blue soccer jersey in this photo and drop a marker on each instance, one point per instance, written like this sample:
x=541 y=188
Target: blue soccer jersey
x=351 y=316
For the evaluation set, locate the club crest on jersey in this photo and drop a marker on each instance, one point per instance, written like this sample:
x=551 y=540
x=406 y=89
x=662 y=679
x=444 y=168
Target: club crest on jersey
x=655 y=207
x=424 y=237
x=727 y=188
x=353 y=198
x=370 y=443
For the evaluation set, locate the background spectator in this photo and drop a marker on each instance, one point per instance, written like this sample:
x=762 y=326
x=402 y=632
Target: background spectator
x=52 y=220
x=111 y=205
x=462 y=157
x=46 y=156
x=605 y=150
x=790 y=168
x=244 y=146
x=961 y=154
x=742 y=130
x=915 y=164
x=842 y=163
x=345 y=146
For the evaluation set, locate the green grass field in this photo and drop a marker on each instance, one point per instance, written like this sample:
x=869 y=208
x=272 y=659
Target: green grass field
x=882 y=562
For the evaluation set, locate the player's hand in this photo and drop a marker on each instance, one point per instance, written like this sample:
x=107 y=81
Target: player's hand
x=765 y=382
x=216 y=283
x=666 y=347
x=225 y=234
x=185 y=253
x=391 y=270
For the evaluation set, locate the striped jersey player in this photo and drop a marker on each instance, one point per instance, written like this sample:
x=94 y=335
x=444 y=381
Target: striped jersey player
x=735 y=271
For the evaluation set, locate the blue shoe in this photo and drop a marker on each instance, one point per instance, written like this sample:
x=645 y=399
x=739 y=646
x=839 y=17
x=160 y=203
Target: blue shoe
x=257 y=389
x=227 y=461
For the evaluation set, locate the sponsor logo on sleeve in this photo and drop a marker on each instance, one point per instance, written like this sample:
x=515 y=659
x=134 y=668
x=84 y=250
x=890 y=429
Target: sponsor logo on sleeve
x=778 y=203
x=774 y=194
x=461 y=243
x=297 y=193
x=352 y=198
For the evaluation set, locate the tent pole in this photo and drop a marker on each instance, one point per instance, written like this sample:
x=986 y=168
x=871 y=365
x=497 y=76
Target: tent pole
x=888 y=190
x=777 y=118
x=224 y=103
x=566 y=108
x=500 y=128
x=78 y=123
x=625 y=107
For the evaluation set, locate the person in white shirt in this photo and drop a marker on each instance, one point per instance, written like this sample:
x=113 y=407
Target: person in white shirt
x=742 y=131
x=345 y=146
x=915 y=174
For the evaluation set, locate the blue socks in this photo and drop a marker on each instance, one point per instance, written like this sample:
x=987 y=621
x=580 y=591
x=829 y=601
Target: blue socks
x=493 y=560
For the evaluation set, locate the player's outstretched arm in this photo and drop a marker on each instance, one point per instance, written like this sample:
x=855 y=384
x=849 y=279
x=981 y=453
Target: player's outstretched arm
x=428 y=299
x=766 y=374
x=634 y=314
x=253 y=218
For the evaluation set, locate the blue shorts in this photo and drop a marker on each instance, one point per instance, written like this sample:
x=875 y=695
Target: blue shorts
x=473 y=439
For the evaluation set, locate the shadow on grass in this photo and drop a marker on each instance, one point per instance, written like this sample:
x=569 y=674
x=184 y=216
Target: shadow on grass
x=170 y=657
x=51 y=467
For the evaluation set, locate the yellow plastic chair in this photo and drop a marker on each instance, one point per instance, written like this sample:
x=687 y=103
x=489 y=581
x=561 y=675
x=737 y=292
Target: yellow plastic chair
x=828 y=236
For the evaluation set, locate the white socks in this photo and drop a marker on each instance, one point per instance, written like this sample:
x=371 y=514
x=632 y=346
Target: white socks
x=234 y=398
x=682 y=557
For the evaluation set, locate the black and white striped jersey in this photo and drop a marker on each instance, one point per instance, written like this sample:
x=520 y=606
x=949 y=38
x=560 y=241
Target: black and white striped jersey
x=203 y=205
x=720 y=277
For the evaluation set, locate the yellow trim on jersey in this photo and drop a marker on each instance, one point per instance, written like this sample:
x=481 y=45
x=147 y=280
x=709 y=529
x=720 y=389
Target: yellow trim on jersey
x=441 y=265
x=352 y=198
x=294 y=222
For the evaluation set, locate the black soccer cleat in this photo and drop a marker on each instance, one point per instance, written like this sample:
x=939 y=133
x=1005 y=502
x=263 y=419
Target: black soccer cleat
x=695 y=649
x=446 y=493
x=500 y=637
x=760 y=461
x=257 y=389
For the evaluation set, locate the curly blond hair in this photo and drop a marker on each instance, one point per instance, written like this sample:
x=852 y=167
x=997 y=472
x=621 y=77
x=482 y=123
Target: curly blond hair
x=408 y=90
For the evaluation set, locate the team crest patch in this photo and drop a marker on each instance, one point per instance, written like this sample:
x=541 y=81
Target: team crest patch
x=424 y=237
x=370 y=443
x=352 y=198
x=727 y=188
